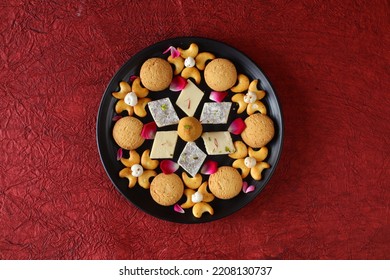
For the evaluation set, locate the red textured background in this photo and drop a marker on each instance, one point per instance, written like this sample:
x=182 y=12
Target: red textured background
x=329 y=64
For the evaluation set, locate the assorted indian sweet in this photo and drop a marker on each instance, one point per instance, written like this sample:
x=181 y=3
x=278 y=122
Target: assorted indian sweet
x=189 y=177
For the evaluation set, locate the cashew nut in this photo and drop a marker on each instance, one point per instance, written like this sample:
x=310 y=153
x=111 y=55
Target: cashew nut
x=191 y=51
x=241 y=150
x=239 y=98
x=124 y=88
x=144 y=179
x=192 y=183
x=257 y=106
x=188 y=204
x=259 y=155
x=256 y=171
x=207 y=197
x=121 y=106
x=240 y=164
x=202 y=58
x=253 y=88
x=191 y=73
x=140 y=91
x=126 y=173
x=178 y=62
x=134 y=158
x=147 y=162
x=200 y=208
x=139 y=109
x=242 y=84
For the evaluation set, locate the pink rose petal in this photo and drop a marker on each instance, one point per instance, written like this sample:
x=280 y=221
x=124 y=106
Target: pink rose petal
x=168 y=166
x=149 y=130
x=237 y=126
x=174 y=52
x=116 y=117
x=246 y=188
x=218 y=96
x=178 y=83
x=132 y=78
x=209 y=167
x=119 y=154
x=177 y=208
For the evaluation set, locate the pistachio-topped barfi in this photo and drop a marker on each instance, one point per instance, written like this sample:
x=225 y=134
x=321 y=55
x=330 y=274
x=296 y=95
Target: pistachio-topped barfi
x=215 y=113
x=163 y=112
x=191 y=158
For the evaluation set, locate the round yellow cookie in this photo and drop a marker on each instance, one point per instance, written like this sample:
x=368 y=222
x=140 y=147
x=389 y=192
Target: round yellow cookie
x=259 y=130
x=189 y=129
x=226 y=183
x=127 y=133
x=220 y=74
x=156 y=74
x=166 y=189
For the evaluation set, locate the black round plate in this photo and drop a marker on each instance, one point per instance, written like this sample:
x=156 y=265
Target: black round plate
x=108 y=148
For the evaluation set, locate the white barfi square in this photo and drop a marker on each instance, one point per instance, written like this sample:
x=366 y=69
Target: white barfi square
x=189 y=98
x=191 y=158
x=163 y=112
x=164 y=144
x=218 y=143
x=215 y=113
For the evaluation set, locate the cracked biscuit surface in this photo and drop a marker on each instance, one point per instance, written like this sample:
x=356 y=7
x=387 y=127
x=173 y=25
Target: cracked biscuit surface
x=127 y=133
x=220 y=74
x=156 y=74
x=259 y=130
x=226 y=183
x=166 y=189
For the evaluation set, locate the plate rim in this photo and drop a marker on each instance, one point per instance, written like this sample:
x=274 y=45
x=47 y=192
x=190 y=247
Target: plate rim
x=119 y=73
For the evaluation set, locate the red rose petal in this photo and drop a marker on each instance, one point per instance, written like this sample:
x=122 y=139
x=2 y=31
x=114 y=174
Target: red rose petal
x=149 y=130
x=168 y=166
x=237 y=126
x=218 y=96
x=246 y=188
x=178 y=83
x=132 y=78
x=209 y=167
x=116 y=117
x=174 y=52
x=119 y=154
x=177 y=208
